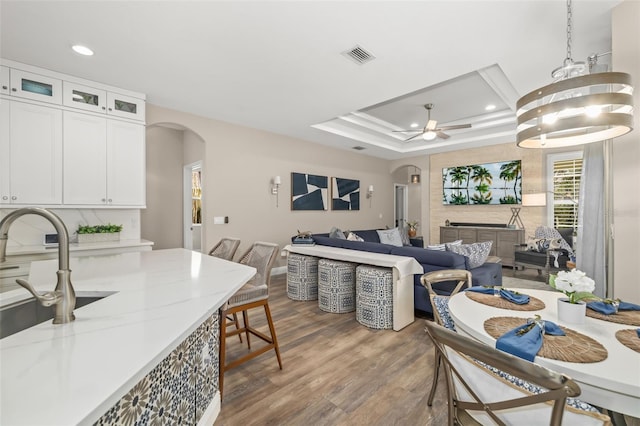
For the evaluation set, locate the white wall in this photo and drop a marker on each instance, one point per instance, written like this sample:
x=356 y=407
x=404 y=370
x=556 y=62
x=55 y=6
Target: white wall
x=240 y=163
x=626 y=158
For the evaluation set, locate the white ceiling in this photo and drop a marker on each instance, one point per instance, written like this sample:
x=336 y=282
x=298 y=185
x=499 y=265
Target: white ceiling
x=277 y=66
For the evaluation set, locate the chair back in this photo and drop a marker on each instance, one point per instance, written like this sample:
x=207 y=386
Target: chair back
x=461 y=275
x=479 y=393
x=225 y=249
x=261 y=256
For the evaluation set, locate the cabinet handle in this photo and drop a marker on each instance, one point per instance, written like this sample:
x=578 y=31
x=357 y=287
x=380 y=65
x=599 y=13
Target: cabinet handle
x=5 y=197
x=110 y=200
x=14 y=89
x=110 y=109
x=103 y=108
x=104 y=200
x=14 y=198
x=4 y=87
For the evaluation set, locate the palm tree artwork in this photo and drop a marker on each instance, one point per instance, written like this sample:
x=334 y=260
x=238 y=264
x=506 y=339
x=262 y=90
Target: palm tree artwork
x=477 y=184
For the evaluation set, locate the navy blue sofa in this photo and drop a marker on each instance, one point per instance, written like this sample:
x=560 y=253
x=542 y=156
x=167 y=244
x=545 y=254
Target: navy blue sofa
x=431 y=260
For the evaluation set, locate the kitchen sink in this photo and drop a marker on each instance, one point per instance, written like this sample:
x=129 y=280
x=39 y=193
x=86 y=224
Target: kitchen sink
x=27 y=313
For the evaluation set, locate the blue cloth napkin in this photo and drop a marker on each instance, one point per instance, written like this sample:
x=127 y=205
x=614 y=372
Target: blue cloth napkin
x=480 y=289
x=518 y=299
x=608 y=308
x=527 y=345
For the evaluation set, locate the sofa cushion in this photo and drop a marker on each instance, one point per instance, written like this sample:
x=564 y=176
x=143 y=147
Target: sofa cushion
x=326 y=241
x=541 y=245
x=391 y=237
x=440 y=259
x=352 y=236
x=367 y=246
x=370 y=235
x=476 y=253
x=336 y=233
x=437 y=247
x=404 y=235
x=452 y=243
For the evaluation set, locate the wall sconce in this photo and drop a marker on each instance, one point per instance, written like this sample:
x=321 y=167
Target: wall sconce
x=370 y=194
x=276 y=187
x=415 y=177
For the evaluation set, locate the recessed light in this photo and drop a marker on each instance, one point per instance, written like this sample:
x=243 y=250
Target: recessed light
x=414 y=125
x=82 y=50
x=490 y=107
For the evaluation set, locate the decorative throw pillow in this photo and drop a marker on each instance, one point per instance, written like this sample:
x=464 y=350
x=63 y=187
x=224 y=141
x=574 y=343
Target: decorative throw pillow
x=439 y=247
x=336 y=233
x=406 y=241
x=451 y=244
x=541 y=245
x=354 y=237
x=390 y=236
x=476 y=253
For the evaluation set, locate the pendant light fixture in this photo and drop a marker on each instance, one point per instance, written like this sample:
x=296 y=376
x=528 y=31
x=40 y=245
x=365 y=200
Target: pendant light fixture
x=576 y=108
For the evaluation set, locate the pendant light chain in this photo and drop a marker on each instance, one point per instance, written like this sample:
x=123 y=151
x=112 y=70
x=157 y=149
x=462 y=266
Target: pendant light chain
x=569 y=30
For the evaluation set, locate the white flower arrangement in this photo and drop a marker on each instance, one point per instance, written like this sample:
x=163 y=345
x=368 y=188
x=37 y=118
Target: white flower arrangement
x=575 y=284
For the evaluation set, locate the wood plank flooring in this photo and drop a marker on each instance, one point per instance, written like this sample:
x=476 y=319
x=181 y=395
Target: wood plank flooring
x=335 y=372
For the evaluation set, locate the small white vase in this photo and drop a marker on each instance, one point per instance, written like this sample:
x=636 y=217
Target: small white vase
x=573 y=313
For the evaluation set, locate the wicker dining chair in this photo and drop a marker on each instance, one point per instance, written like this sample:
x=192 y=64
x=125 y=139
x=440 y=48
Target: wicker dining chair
x=225 y=249
x=487 y=386
x=428 y=280
x=254 y=294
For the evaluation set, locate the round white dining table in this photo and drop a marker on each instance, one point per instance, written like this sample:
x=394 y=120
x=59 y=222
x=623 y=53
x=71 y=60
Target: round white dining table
x=613 y=383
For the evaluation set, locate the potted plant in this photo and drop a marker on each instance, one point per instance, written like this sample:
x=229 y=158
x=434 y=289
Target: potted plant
x=412 y=227
x=98 y=233
x=578 y=287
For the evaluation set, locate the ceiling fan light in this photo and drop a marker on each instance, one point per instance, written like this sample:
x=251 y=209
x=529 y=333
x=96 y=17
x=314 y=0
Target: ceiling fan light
x=429 y=136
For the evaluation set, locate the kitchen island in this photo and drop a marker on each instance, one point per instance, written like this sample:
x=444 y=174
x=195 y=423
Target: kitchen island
x=159 y=319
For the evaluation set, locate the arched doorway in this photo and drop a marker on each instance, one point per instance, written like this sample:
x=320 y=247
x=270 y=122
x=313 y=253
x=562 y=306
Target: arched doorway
x=170 y=201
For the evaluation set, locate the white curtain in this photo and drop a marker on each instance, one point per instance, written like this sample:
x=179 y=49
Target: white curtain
x=590 y=256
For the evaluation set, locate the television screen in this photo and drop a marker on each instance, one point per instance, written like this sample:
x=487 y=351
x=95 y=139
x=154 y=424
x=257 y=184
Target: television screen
x=491 y=183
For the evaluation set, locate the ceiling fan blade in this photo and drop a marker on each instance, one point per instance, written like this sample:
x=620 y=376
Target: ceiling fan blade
x=405 y=131
x=413 y=137
x=457 y=126
x=431 y=125
x=442 y=135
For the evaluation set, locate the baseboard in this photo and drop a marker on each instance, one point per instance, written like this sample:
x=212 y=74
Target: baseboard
x=211 y=413
x=279 y=270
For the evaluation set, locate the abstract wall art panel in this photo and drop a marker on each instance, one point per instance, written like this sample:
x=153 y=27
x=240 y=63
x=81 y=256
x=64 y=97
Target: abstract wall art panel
x=491 y=183
x=345 y=194
x=309 y=192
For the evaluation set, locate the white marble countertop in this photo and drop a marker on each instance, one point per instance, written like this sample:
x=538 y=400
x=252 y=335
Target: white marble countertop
x=73 y=373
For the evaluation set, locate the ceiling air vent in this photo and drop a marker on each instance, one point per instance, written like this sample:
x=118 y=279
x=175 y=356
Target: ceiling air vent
x=358 y=55
x=358 y=148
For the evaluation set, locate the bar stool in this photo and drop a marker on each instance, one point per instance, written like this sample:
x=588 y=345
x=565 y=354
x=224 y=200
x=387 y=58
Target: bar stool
x=374 y=297
x=302 y=277
x=336 y=286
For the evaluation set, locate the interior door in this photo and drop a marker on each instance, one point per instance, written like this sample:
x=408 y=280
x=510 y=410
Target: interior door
x=400 y=204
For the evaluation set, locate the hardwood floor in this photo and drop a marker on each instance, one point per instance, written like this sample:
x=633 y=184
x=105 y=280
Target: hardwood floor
x=335 y=372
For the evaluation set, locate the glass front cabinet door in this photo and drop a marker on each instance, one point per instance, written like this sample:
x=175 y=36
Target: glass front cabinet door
x=84 y=97
x=37 y=87
x=125 y=106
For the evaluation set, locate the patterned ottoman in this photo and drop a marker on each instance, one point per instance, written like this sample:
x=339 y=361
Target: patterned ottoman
x=302 y=277
x=336 y=286
x=374 y=297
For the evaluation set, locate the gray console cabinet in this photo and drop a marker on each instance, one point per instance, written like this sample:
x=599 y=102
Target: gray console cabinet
x=504 y=239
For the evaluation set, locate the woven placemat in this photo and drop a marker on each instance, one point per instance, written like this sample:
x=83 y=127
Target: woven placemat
x=498 y=302
x=622 y=317
x=574 y=347
x=629 y=338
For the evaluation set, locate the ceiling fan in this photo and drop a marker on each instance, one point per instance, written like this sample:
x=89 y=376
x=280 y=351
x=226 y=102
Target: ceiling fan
x=431 y=130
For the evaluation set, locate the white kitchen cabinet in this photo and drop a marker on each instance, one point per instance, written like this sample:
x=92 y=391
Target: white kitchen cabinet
x=31 y=154
x=35 y=87
x=103 y=161
x=125 y=106
x=84 y=97
x=4 y=80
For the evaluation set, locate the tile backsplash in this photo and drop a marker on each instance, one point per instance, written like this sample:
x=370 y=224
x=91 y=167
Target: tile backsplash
x=29 y=230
